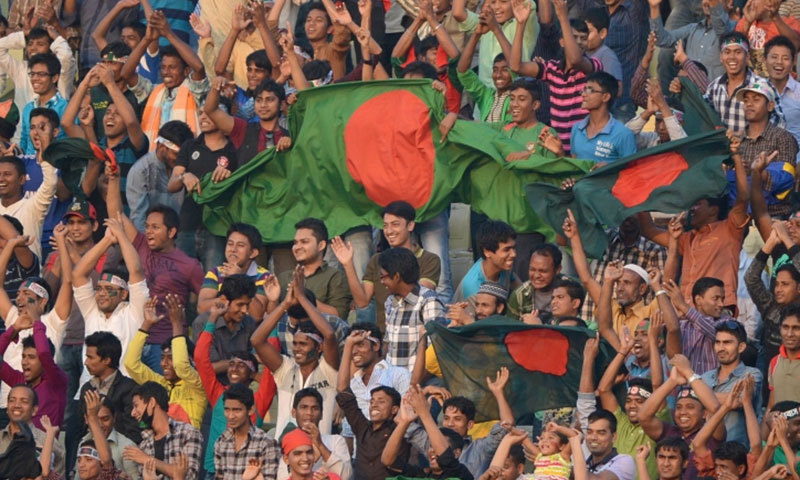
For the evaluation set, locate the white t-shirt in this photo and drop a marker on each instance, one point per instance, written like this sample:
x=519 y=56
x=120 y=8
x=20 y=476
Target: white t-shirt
x=289 y=381
x=338 y=462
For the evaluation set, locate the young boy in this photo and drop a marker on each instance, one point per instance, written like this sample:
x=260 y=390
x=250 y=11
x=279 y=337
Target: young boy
x=597 y=23
x=524 y=126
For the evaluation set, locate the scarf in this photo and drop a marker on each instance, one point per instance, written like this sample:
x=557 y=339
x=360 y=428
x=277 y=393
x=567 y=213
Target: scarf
x=184 y=108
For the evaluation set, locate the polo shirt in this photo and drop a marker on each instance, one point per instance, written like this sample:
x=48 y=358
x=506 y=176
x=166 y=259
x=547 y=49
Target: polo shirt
x=473 y=280
x=630 y=436
x=784 y=376
x=619 y=464
x=609 y=60
x=123 y=322
x=735 y=425
x=613 y=142
x=289 y=381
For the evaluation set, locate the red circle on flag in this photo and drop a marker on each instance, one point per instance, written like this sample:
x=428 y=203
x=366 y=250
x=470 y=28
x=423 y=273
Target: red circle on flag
x=539 y=350
x=389 y=148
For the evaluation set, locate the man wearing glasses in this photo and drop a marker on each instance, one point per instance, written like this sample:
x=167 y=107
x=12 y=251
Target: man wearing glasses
x=44 y=72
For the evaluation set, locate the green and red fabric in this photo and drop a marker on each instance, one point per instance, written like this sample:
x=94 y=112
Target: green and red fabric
x=544 y=363
x=668 y=178
x=358 y=146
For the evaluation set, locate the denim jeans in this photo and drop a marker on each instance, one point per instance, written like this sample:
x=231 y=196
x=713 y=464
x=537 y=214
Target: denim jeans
x=151 y=356
x=70 y=360
x=434 y=236
x=200 y=243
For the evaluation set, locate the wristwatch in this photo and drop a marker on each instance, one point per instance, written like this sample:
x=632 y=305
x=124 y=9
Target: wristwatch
x=692 y=379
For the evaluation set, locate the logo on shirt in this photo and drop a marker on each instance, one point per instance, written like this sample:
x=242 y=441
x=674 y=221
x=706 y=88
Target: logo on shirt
x=223 y=161
x=195 y=155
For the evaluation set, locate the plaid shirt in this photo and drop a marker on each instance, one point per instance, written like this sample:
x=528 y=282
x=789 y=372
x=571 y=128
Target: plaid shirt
x=771 y=139
x=230 y=463
x=644 y=253
x=730 y=110
x=405 y=320
x=181 y=439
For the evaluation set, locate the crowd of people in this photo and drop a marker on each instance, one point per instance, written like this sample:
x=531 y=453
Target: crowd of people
x=138 y=344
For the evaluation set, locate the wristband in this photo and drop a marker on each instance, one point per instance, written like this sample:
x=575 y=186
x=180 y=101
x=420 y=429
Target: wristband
x=692 y=379
x=661 y=292
x=436 y=28
x=374 y=60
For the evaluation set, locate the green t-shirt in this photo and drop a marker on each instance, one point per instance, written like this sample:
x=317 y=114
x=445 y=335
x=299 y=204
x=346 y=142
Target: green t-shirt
x=780 y=457
x=630 y=436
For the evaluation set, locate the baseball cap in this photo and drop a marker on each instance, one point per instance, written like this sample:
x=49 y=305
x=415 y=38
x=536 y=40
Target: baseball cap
x=757 y=87
x=83 y=209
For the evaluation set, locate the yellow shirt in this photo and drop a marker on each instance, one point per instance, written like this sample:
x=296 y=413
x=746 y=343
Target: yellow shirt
x=629 y=316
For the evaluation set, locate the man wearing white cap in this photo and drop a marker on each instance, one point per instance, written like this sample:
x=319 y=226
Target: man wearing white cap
x=116 y=304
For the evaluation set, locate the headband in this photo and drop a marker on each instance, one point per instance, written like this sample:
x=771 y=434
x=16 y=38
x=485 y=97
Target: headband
x=168 y=143
x=113 y=280
x=687 y=392
x=299 y=51
x=789 y=414
x=295 y=438
x=736 y=42
x=248 y=363
x=88 y=452
x=313 y=336
x=638 y=390
x=323 y=81
x=34 y=287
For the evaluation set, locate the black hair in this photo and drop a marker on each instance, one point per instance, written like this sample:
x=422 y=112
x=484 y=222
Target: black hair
x=373 y=329
x=307 y=326
x=500 y=57
x=641 y=383
x=578 y=25
x=455 y=440
x=28 y=342
x=784 y=406
x=607 y=83
x=117 y=47
x=48 y=113
x=597 y=17
x=249 y=231
x=30 y=389
x=317 y=227
x=735 y=330
x=517 y=455
x=421 y=47
x=402 y=261
x=702 y=285
x=137 y=27
x=107 y=345
x=321 y=7
x=733 y=451
x=418 y=67
x=237 y=286
x=548 y=250
x=791 y=310
x=171 y=51
x=462 y=404
x=260 y=60
x=169 y=216
x=574 y=289
x=401 y=209
x=19 y=165
x=106 y=402
x=269 y=85
x=721 y=202
x=14 y=222
x=242 y=393
x=526 y=84
x=734 y=36
x=149 y=390
x=493 y=232
x=176 y=131
x=37 y=33
x=307 y=392
x=790 y=269
x=3 y=20
x=569 y=318
x=602 y=414
x=674 y=443
x=316 y=69
x=394 y=394
x=780 y=41
x=297 y=311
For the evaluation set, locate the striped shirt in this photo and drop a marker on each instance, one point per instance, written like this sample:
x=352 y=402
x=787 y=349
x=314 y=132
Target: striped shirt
x=698 y=333
x=565 y=96
x=730 y=110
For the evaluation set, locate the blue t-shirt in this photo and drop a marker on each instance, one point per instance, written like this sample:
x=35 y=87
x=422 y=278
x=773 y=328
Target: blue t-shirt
x=474 y=278
x=613 y=142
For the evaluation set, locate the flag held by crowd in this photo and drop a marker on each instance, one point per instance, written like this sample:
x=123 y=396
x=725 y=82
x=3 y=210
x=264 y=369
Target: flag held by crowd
x=544 y=362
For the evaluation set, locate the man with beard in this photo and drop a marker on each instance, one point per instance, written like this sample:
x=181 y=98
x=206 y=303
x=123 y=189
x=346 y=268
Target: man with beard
x=672 y=459
x=490 y=300
x=536 y=294
x=116 y=303
x=695 y=399
x=603 y=462
x=164 y=440
x=783 y=367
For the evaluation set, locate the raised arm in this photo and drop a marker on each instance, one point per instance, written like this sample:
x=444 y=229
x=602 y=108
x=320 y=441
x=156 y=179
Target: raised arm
x=51 y=435
x=651 y=231
x=668 y=314
x=575 y=57
x=406 y=415
x=362 y=292
x=63 y=303
x=604 y=388
x=732 y=401
x=100 y=32
x=268 y=354
x=762 y=218
x=74 y=106
x=80 y=274
x=700 y=388
x=223 y=120
x=605 y=326
x=330 y=348
x=5 y=257
x=570 y=228
x=124 y=107
x=497 y=387
x=129 y=254
x=92 y=399
x=114 y=200
x=642 y=453
x=128 y=71
x=654 y=331
x=238 y=23
x=738 y=213
x=267 y=36
x=22 y=252
x=522 y=12
x=406 y=40
x=445 y=41
x=651 y=425
x=186 y=52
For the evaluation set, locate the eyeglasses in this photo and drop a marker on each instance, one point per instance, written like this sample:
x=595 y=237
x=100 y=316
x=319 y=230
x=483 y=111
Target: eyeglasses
x=106 y=289
x=39 y=74
x=589 y=90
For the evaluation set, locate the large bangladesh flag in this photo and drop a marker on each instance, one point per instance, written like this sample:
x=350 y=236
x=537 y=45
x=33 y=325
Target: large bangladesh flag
x=544 y=363
x=358 y=146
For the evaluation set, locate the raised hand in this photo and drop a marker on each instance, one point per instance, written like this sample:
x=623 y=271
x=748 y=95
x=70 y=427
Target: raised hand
x=150 y=315
x=762 y=160
x=253 y=469
x=675 y=294
x=92 y=399
x=550 y=142
x=570 y=226
x=614 y=271
x=406 y=413
x=642 y=452
x=500 y=381
x=680 y=54
x=655 y=278
x=219 y=307
x=675 y=86
x=175 y=310
x=626 y=341
x=651 y=48
x=340 y=15
x=531 y=318
x=342 y=250
x=560 y=7
x=682 y=364
x=676 y=225
x=238 y=21
x=287 y=40
x=591 y=347
x=272 y=289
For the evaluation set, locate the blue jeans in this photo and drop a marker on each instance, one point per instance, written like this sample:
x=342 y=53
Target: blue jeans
x=151 y=356
x=200 y=243
x=434 y=236
x=70 y=360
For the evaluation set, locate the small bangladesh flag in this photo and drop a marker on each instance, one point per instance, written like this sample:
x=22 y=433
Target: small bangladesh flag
x=358 y=146
x=668 y=178
x=544 y=363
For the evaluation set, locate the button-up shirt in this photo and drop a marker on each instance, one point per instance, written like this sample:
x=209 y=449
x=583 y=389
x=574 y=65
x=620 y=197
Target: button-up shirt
x=383 y=374
x=182 y=439
x=735 y=425
x=698 y=333
x=730 y=110
x=147 y=186
x=405 y=323
x=627 y=36
x=790 y=102
x=229 y=463
x=57 y=103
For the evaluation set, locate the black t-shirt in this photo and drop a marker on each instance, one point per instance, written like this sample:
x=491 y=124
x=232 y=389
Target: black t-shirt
x=158 y=446
x=199 y=160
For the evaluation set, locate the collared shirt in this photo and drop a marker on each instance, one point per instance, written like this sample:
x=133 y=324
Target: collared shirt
x=475 y=277
x=735 y=425
x=784 y=376
x=405 y=323
x=619 y=464
x=383 y=374
x=147 y=186
x=182 y=439
x=117 y=442
x=103 y=385
x=790 y=102
x=627 y=36
x=144 y=87
x=229 y=463
x=289 y=380
x=56 y=103
x=329 y=286
x=643 y=252
x=698 y=332
x=285 y=332
x=730 y=110
x=486 y=97
x=123 y=322
x=525 y=299
x=613 y=142
x=256 y=272
x=631 y=315
x=764 y=299
x=477 y=453
x=630 y=436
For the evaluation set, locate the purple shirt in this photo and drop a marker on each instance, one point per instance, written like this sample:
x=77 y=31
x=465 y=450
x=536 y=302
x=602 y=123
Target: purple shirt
x=168 y=272
x=670 y=430
x=50 y=390
x=698 y=333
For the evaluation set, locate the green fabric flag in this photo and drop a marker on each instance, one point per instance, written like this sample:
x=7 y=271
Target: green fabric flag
x=668 y=178
x=544 y=363
x=70 y=156
x=358 y=146
x=698 y=116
